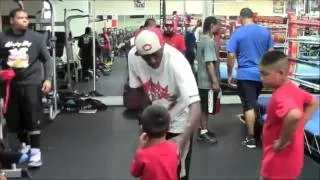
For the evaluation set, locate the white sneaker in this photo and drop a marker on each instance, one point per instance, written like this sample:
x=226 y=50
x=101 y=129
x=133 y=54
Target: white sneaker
x=25 y=148
x=35 y=158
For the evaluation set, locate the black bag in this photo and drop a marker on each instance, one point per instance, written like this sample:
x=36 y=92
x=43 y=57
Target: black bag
x=70 y=101
x=135 y=99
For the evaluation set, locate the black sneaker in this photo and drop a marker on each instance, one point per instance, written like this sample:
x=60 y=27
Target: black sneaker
x=250 y=142
x=211 y=134
x=207 y=138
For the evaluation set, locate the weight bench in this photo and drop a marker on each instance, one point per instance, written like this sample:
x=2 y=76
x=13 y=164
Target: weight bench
x=312 y=126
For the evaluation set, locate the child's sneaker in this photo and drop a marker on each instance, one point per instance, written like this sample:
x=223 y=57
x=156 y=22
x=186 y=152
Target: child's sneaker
x=250 y=142
x=35 y=158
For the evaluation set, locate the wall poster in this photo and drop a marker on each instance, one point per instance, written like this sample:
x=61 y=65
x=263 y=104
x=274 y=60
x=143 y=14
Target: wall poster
x=139 y=4
x=278 y=6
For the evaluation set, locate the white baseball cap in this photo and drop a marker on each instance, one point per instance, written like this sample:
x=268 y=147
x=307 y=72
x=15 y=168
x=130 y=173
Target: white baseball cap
x=148 y=41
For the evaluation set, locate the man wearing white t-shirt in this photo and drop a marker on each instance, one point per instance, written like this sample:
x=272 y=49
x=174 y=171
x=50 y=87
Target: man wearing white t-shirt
x=167 y=78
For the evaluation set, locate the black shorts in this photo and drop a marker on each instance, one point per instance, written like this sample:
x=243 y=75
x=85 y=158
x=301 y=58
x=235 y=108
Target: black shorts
x=24 y=112
x=203 y=93
x=249 y=92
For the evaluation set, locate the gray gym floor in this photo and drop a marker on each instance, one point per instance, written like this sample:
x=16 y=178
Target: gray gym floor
x=101 y=146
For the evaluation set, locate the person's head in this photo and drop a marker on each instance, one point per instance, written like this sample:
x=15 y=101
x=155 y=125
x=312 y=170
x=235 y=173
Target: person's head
x=149 y=43
x=150 y=22
x=210 y=25
x=199 y=23
x=274 y=67
x=19 y=19
x=174 y=13
x=88 y=30
x=168 y=27
x=246 y=16
x=155 y=120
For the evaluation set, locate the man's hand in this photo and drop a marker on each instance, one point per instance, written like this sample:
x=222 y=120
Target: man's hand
x=216 y=87
x=46 y=87
x=230 y=83
x=278 y=145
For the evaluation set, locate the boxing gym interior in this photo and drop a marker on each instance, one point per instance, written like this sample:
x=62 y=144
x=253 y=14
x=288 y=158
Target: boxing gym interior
x=88 y=130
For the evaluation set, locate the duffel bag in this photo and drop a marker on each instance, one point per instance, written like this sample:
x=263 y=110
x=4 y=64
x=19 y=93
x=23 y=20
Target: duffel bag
x=135 y=99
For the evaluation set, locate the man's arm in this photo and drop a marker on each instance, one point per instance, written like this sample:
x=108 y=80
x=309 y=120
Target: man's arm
x=194 y=119
x=232 y=49
x=47 y=60
x=80 y=42
x=189 y=92
x=210 y=59
x=230 y=63
x=134 y=81
x=270 y=42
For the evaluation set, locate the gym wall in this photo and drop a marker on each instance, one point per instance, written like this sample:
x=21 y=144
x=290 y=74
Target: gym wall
x=31 y=6
x=77 y=25
x=233 y=7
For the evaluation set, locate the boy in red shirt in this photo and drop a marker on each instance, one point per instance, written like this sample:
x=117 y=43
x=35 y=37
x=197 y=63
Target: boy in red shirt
x=156 y=158
x=287 y=112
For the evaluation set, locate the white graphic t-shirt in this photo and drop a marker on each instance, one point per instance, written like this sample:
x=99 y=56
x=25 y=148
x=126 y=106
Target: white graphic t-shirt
x=172 y=85
x=18 y=54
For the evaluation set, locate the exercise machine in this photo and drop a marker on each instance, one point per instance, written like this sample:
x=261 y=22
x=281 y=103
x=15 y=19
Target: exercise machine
x=69 y=43
x=54 y=111
x=93 y=18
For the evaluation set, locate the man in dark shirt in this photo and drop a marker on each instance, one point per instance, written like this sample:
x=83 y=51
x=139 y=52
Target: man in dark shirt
x=190 y=40
x=86 y=54
x=28 y=54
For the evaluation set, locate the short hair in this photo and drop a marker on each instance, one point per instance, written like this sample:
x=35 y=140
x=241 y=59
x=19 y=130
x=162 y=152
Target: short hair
x=272 y=58
x=155 y=120
x=88 y=30
x=207 y=23
x=246 y=13
x=149 y=21
x=14 y=12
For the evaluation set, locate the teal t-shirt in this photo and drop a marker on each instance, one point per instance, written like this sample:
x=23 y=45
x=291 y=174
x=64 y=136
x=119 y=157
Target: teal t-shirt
x=206 y=52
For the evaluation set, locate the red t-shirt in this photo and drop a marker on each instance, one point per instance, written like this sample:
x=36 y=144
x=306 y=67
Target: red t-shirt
x=177 y=41
x=158 y=162
x=288 y=162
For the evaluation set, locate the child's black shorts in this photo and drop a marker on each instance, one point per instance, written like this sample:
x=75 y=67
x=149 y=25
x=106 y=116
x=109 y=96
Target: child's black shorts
x=203 y=93
x=24 y=112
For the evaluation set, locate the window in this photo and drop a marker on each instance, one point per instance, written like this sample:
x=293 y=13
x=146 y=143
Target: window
x=46 y=10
